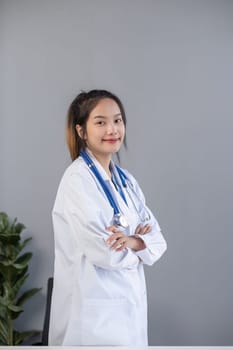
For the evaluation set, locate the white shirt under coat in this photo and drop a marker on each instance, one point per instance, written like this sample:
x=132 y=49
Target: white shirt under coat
x=99 y=294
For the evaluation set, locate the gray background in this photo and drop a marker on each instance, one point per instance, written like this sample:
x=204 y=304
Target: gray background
x=171 y=62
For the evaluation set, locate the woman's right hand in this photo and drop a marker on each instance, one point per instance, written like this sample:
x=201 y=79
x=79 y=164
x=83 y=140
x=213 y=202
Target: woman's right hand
x=142 y=229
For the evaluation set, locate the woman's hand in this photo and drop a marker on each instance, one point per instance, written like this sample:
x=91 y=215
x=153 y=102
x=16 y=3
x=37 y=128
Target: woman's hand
x=119 y=241
x=142 y=230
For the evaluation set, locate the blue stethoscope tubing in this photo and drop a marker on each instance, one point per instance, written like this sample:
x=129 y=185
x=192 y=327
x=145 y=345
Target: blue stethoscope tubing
x=119 y=218
x=125 y=182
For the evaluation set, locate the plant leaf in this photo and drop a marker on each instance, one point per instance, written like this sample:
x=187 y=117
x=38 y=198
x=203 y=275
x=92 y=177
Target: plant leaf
x=3 y=311
x=9 y=238
x=19 y=274
x=7 y=262
x=14 y=308
x=12 y=226
x=3 y=301
x=14 y=264
x=3 y=328
x=6 y=290
x=3 y=341
x=18 y=284
x=22 y=261
x=3 y=222
x=25 y=242
x=15 y=311
x=20 y=336
x=26 y=295
x=19 y=227
x=9 y=273
x=3 y=332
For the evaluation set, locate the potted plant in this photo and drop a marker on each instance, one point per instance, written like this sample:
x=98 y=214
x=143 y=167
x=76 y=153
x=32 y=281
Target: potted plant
x=13 y=273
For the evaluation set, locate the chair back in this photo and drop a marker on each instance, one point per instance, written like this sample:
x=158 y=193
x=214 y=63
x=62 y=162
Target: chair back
x=45 y=332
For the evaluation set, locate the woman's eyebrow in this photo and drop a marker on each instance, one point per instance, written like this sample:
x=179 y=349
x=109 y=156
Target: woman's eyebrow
x=102 y=116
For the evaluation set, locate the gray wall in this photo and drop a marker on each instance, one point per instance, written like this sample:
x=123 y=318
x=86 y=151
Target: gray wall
x=171 y=62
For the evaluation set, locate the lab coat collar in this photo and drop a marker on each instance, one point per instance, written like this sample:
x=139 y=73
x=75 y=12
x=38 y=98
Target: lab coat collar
x=99 y=167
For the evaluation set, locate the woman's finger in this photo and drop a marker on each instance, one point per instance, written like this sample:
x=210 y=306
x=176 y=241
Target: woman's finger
x=145 y=229
x=149 y=228
x=138 y=228
x=141 y=231
x=118 y=244
x=114 y=236
x=122 y=247
x=112 y=228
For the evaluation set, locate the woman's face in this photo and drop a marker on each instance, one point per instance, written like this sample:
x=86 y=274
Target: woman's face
x=105 y=129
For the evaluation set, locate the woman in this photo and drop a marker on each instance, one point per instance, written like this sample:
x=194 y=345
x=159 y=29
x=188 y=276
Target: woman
x=103 y=232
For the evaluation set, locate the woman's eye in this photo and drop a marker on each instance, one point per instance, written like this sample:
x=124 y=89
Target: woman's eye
x=100 y=123
x=119 y=120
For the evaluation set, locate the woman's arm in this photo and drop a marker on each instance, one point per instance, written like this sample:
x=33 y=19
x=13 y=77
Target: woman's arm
x=155 y=244
x=87 y=215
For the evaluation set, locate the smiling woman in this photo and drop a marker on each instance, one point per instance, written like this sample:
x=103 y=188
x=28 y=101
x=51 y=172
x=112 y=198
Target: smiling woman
x=105 y=131
x=104 y=233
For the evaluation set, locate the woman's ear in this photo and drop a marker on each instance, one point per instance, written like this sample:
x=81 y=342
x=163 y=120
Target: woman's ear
x=79 y=130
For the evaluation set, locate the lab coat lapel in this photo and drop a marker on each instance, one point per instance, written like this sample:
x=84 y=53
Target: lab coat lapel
x=126 y=210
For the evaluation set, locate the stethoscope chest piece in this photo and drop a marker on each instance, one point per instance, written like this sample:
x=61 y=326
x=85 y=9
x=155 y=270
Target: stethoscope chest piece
x=120 y=220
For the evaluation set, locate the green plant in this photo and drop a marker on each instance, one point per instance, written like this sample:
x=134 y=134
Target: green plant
x=13 y=273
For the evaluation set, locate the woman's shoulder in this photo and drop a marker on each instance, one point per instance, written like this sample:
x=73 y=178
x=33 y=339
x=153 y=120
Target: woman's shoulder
x=76 y=170
x=75 y=167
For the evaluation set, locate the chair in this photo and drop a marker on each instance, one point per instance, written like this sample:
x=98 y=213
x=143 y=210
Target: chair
x=45 y=332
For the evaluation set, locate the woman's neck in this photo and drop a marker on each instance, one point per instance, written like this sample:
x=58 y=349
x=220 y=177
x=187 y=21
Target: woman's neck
x=104 y=160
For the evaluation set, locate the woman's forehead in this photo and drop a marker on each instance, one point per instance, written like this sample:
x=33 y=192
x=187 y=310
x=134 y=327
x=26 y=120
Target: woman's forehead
x=106 y=107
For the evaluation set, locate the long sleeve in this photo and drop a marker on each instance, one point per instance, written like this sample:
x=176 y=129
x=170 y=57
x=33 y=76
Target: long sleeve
x=154 y=240
x=88 y=214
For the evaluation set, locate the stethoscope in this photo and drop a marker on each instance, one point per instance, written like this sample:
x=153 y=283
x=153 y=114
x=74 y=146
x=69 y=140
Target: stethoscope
x=118 y=218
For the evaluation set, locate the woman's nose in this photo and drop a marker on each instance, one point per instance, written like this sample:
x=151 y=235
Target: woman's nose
x=112 y=128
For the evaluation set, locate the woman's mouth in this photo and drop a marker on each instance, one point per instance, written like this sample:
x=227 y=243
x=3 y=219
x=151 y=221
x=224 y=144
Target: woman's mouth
x=111 y=140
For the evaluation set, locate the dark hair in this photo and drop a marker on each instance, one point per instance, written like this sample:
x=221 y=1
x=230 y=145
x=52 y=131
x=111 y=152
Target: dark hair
x=79 y=112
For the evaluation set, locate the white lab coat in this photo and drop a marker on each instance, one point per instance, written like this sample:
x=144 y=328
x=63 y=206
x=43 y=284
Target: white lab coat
x=99 y=295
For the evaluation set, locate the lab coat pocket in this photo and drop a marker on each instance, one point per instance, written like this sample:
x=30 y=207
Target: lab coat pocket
x=104 y=322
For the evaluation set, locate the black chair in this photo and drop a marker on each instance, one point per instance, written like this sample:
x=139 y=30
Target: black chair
x=45 y=331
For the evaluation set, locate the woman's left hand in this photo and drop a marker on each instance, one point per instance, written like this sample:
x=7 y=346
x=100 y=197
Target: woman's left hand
x=119 y=241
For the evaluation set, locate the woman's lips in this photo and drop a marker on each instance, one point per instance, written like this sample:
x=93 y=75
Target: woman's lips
x=111 y=140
